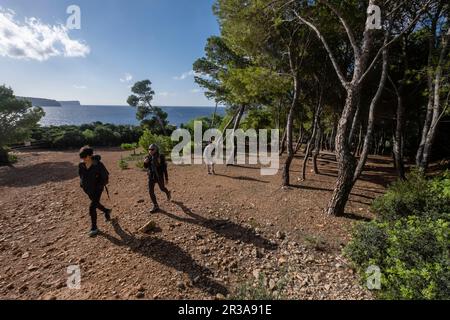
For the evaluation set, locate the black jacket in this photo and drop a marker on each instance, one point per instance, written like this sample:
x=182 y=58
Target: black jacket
x=157 y=167
x=94 y=179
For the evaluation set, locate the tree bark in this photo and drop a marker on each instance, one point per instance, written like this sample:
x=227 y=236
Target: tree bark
x=371 y=119
x=283 y=143
x=436 y=109
x=289 y=135
x=317 y=147
x=300 y=139
x=315 y=126
x=237 y=122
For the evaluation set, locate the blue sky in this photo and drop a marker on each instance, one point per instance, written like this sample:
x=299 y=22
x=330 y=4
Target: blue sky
x=119 y=43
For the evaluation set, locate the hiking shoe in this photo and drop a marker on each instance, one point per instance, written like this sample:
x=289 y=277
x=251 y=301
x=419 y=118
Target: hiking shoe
x=155 y=209
x=93 y=233
x=108 y=215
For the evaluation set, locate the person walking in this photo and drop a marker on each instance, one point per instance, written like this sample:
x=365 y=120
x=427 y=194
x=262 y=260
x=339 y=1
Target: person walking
x=156 y=166
x=93 y=180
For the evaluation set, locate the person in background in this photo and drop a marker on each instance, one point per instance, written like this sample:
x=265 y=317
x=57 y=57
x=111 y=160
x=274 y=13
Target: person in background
x=93 y=179
x=208 y=155
x=156 y=165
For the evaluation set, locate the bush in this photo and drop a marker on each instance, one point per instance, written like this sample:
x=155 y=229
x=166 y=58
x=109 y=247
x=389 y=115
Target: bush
x=12 y=158
x=416 y=196
x=95 y=134
x=123 y=164
x=410 y=241
x=129 y=147
x=164 y=143
x=70 y=138
x=140 y=164
x=412 y=254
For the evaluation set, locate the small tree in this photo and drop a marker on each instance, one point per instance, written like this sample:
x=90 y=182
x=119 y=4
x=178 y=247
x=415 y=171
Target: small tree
x=142 y=100
x=17 y=118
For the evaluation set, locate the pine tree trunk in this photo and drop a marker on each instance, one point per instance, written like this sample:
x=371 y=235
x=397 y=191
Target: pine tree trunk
x=345 y=160
x=317 y=148
x=315 y=127
x=300 y=139
x=237 y=122
x=283 y=143
x=289 y=135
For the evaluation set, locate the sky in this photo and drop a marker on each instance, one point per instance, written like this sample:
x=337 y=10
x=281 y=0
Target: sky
x=118 y=43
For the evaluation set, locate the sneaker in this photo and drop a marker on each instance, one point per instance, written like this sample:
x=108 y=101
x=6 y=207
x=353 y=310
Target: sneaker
x=93 y=233
x=155 y=209
x=108 y=215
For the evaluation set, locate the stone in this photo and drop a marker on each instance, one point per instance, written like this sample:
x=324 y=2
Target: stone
x=281 y=235
x=181 y=285
x=272 y=284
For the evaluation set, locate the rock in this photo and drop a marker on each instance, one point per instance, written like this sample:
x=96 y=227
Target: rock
x=140 y=295
x=220 y=296
x=281 y=235
x=150 y=226
x=282 y=260
x=25 y=255
x=181 y=285
x=256 y=273
x=272 y=284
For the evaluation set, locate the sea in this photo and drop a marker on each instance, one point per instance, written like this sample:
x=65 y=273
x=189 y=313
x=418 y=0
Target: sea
x=119 y=115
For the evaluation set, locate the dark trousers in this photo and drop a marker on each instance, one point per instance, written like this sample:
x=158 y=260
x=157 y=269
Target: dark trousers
x=151 y=188
x=95 y=204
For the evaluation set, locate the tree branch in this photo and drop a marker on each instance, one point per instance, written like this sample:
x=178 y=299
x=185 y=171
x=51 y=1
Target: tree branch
x=339 y=73
x=348 y=30
x=413 y=22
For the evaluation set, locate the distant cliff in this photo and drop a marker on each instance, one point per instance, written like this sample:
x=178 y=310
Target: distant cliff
x=40 y=102
x=69 y=103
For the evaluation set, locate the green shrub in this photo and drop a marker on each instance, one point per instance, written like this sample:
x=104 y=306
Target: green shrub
x=410 y=241
x=12 y=158
x=164 y=143
x=70 y=138
x=89 y=135
x=140 y=164
x=416 y=196
x=128 y=146
x=123 y=164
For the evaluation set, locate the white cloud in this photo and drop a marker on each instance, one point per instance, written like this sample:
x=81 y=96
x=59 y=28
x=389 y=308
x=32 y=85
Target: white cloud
x=185 y=75
x=34 y=40
x=76 y=86
x=127 y=77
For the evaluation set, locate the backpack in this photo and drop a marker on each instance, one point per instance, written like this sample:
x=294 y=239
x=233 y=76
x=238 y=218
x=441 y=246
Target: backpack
x=104 y=171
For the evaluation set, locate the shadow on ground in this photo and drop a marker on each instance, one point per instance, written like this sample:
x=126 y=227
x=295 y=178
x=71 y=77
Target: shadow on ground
x=37 y=174
x=225 y=228
x=168 y=254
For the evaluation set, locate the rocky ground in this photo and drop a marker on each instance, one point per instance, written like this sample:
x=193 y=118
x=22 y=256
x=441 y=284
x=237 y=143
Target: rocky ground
x=233 y=235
